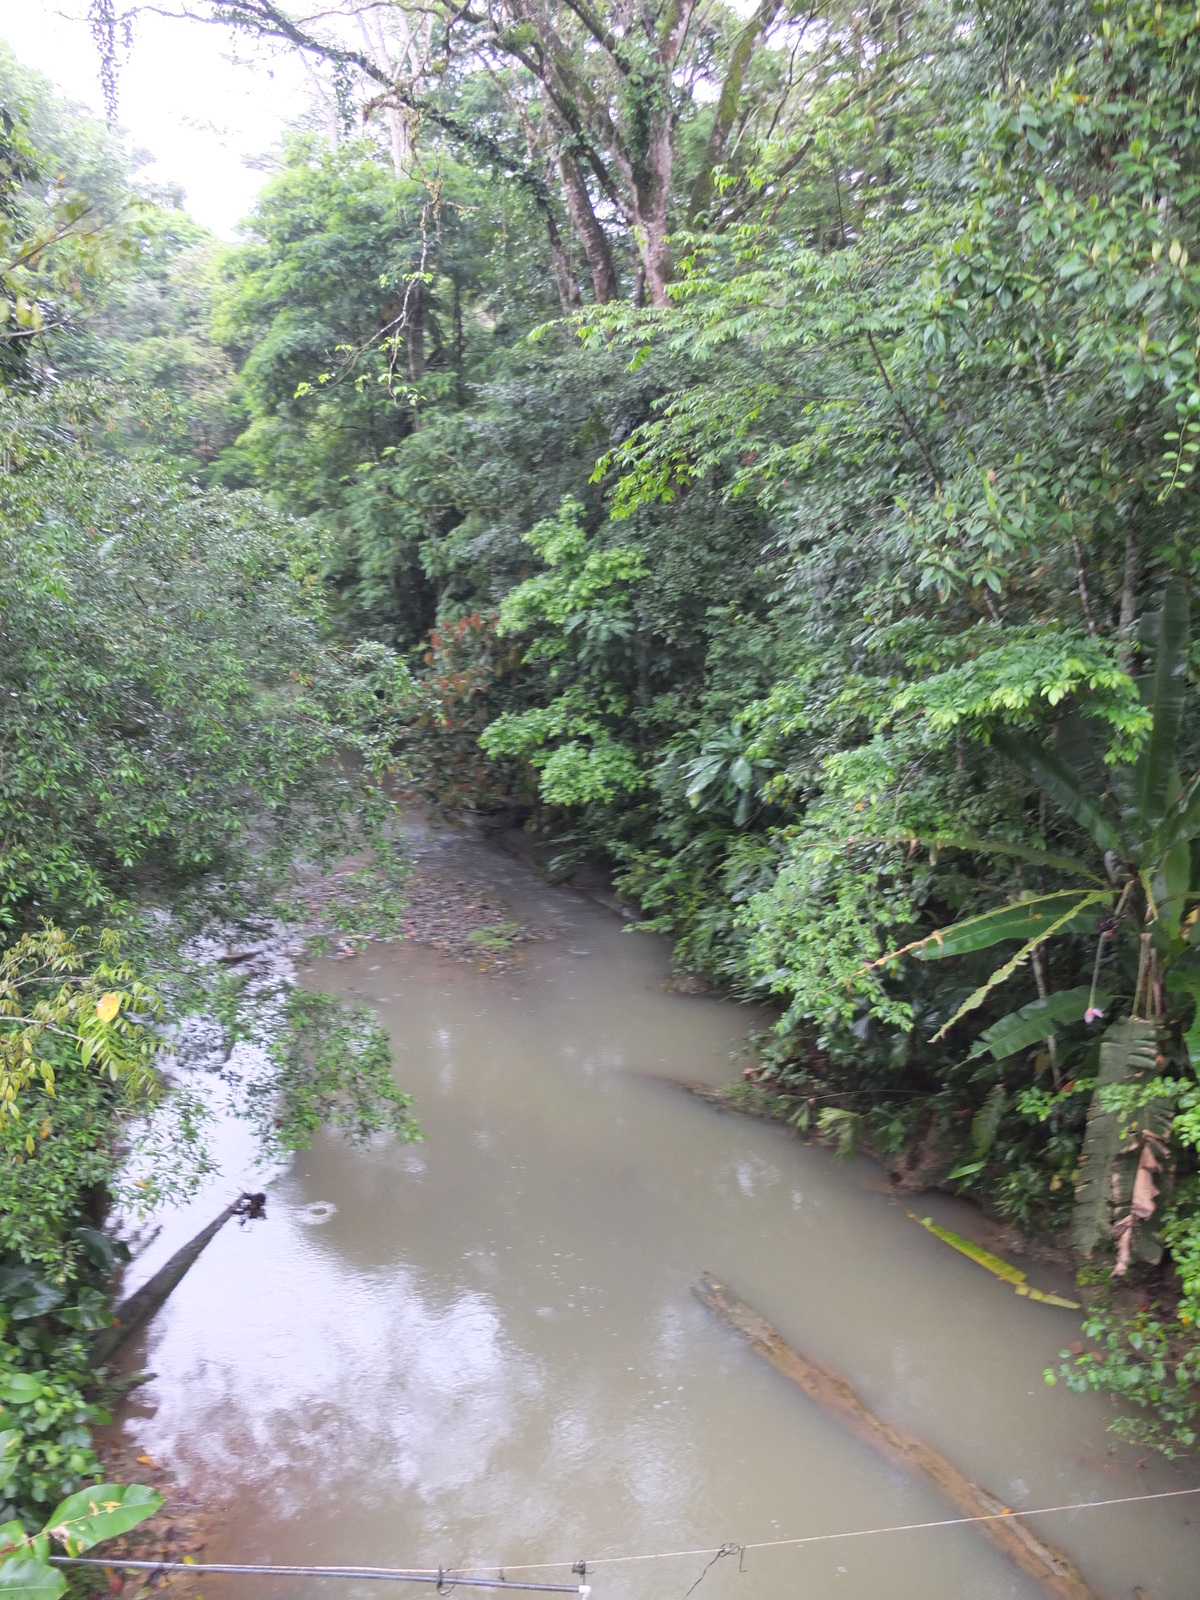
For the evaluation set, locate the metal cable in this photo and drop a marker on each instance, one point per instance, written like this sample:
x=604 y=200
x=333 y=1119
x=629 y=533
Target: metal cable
x=1007 y=1515
x=443 y=1580
x=446 y=1580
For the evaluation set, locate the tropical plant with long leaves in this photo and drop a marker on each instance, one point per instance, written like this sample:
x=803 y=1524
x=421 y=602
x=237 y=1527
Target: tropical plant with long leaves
x=1140 y=902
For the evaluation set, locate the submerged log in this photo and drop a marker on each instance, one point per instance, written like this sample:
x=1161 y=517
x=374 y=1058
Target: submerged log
x=144 y=1302
x=1050 y=1567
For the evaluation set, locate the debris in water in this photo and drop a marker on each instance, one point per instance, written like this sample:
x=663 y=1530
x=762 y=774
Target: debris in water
x=1049 y=1566
x=1004 y=1270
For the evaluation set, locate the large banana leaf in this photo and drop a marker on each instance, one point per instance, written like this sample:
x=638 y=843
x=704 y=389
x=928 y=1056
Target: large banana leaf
x=1021 y=852
x=1182 y=820
x=1052 y=774
x=1170 y=884
x=1024 y=919
x=1183 y=980
x=1003 y=973
x=1152 y=775
x=1020 y=1029
x=1129 y=1047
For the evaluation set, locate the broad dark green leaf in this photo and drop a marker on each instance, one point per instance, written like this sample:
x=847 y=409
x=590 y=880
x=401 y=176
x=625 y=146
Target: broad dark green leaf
x=1062 y=786
x=19 y=1388
x=1027 y=1026
x=1158 y=759
x=1170 y=884
x=1024 y=920
x=23 y=1578
x=10 y=1444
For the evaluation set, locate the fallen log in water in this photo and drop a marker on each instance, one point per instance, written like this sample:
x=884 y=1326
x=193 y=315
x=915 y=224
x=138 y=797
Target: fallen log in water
x=1053 y=1570
x=144 y=1302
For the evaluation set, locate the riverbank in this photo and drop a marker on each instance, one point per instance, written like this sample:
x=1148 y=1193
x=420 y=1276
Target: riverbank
x=179 y=1531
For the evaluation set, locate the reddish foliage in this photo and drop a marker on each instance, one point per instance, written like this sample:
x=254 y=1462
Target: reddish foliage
x=466 y=664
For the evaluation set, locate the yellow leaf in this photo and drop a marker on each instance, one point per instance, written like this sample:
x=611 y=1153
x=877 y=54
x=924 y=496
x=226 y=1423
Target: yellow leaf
x=1003 y=1269
x=108 y=1005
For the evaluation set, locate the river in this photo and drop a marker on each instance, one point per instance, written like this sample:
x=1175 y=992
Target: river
x=483 y=1350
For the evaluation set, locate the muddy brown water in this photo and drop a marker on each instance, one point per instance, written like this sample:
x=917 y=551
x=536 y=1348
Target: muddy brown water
x=483 y=1350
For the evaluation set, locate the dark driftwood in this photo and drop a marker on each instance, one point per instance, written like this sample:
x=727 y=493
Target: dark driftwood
x=1053 y=1570
x=144 y=1302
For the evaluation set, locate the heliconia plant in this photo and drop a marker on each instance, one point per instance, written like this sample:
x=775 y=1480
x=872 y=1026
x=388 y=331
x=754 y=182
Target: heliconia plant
x=1140 y=899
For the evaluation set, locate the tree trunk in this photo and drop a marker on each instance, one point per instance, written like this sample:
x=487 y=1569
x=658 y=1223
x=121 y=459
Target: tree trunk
x=1130 y=585
x=568 y=288
x=1041 y=1561
x=457 y=341
x=415 y=329
x=651 y=187
x=141 y=1306
x=656 y=256
x=588 y=229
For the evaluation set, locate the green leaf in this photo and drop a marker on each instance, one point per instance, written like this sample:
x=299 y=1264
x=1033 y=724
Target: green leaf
x=23 y=1578
x=1129 y=1047
x=1182 y=820
x=967 y=1169
x=1060 y=783
x=1002 y=974
x=1152 y=774
x=987 y=1120
x=12 y=1536
x=1034 y=1022
x=40 y=1298
x=1022 y=852
x=10 y=1441
x=1003 y=1269
x=103 y=1512
x=1172 y=880
x=1022 y=920
x=20 y=1389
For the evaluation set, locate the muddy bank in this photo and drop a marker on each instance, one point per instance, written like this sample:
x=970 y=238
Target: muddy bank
x=183 y=1527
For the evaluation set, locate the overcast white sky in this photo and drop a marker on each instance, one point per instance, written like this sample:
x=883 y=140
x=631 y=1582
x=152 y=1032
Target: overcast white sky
x=182 y=97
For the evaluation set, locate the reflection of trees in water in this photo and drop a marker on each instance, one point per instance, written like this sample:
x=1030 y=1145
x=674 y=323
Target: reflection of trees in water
x=367 y=1383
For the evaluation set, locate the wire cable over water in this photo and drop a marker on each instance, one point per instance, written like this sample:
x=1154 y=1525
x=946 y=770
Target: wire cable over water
x=446 y=1579
x=442 y=1579
x=854 y=1533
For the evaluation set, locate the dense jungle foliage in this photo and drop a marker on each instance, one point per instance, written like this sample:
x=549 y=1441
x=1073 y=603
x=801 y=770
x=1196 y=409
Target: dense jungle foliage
x=752 y=447
x=177 y=727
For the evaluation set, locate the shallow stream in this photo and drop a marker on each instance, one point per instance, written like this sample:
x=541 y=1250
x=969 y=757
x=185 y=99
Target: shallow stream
x=483 y=1350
